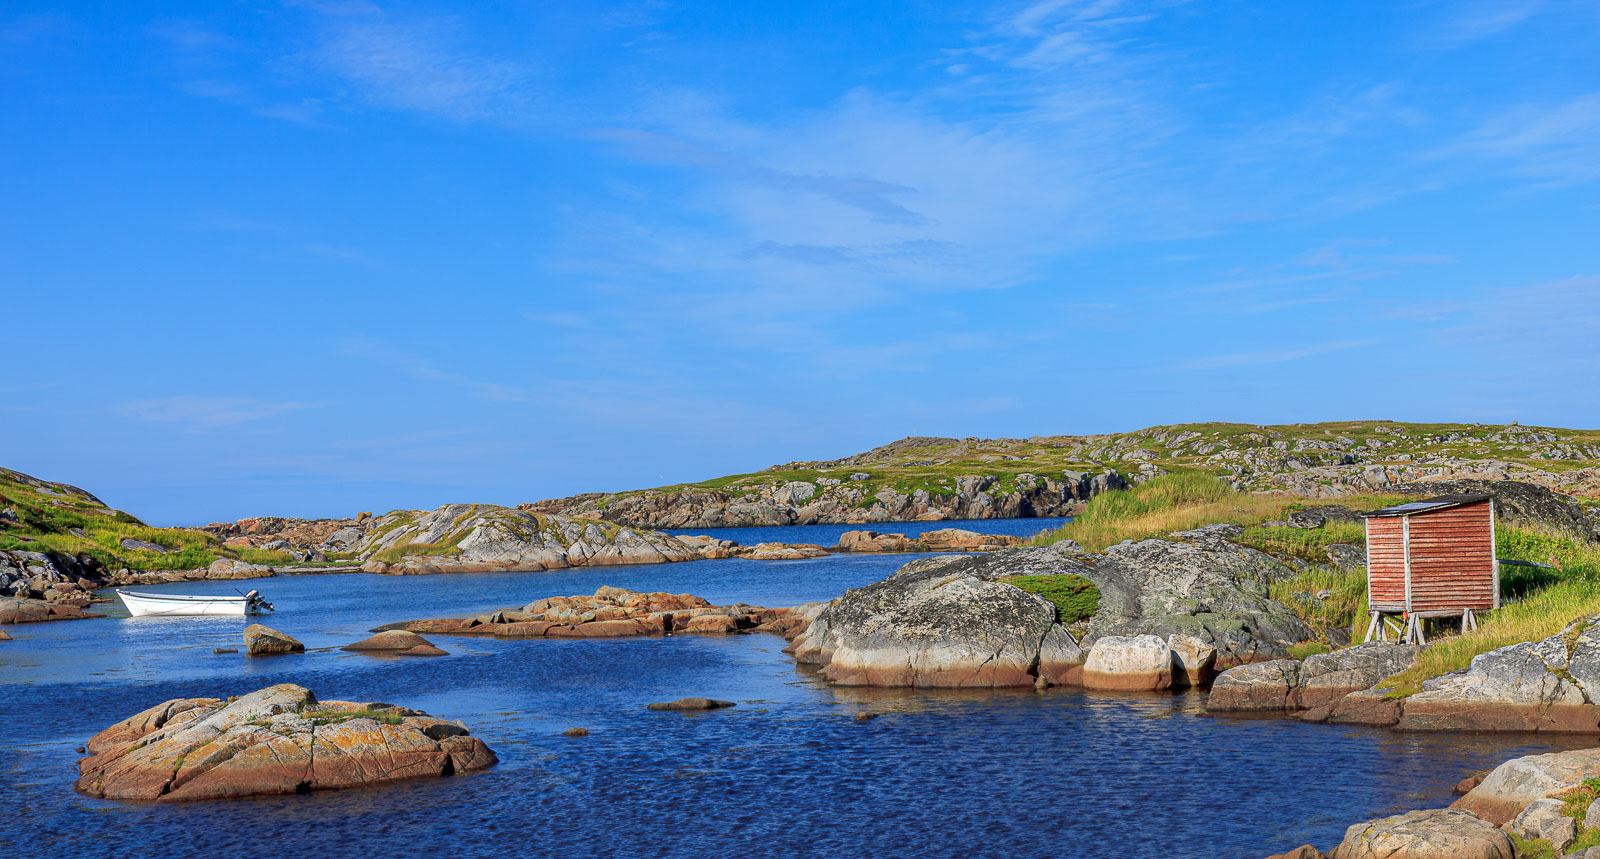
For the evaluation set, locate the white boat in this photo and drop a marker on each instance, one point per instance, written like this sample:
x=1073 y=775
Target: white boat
x=179 y=605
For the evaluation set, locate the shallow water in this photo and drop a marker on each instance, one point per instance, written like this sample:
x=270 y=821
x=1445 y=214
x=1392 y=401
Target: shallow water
x=1010 y=773
x=828 y=535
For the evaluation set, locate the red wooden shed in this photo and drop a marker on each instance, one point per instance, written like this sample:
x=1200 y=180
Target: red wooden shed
x=1430 y=559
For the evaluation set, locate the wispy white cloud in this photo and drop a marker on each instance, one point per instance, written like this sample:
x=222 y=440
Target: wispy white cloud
x=1558 y=143
x=1473 y=21
x=1272 y=356
x=402 y=63
x=204 y=413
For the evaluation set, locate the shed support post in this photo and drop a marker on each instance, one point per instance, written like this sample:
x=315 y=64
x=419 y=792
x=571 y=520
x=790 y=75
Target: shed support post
x=1372 y=628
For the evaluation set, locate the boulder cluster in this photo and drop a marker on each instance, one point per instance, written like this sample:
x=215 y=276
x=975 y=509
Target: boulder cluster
x=276 y=740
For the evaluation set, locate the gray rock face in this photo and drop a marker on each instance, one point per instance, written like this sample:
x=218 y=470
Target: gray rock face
x=1438 y=833
x=934 y=624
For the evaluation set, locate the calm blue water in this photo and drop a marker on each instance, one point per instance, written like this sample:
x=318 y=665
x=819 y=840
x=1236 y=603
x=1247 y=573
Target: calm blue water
x=1013 y=773
x=828 y=535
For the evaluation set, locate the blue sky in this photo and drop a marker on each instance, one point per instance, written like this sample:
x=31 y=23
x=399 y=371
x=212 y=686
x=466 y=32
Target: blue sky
x=313 y=258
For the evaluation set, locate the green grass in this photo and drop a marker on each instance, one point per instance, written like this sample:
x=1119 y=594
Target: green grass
x=1345 y=607
x=1075 y=597
x=1309 y=648
x=334 y=717
x=1307 y=544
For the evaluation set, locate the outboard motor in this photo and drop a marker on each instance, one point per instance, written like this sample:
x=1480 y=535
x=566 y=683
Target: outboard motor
x=256 y=602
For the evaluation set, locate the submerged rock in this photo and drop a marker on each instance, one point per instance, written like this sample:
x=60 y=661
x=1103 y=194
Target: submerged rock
x=265 y=641
x=691 y=704
x=396 y=642
x=273 y=741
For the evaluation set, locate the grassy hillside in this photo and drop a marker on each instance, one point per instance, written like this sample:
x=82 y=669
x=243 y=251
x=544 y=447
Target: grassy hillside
x=62 y=520
x=1249 y=456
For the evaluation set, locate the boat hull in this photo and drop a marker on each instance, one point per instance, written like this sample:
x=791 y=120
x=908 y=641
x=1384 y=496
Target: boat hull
x=154 y=605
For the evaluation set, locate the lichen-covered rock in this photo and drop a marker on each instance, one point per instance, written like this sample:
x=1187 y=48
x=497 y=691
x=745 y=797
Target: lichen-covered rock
x=1511 y=786
x=933 y=625
x=1438 y=833
x=262 y=640
x=1140 y=663
x=276 y=740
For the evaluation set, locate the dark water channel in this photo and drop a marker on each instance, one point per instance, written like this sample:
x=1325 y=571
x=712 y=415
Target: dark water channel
x=788 y=772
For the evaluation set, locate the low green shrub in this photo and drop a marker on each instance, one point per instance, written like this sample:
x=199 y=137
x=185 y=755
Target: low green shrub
x=1075 y=597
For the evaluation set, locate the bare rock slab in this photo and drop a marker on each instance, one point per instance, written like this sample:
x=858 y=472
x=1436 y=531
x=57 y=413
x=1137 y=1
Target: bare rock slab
x=277 y=740
x=262 y=640
x=1139 y=663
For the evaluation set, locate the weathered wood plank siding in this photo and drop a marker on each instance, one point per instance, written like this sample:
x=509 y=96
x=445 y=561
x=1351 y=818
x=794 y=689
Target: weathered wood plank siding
x=1386 y=561
x=1452 y=559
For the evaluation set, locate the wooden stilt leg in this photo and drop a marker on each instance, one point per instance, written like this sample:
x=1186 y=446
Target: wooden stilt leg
x=1372 y=628
x=1422 y=632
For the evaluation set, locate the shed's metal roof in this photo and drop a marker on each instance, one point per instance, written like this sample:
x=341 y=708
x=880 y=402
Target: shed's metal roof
x=1428 y=505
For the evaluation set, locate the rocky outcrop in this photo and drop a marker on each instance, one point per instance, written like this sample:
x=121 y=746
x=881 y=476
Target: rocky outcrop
x=38 y=576
x=952 y=621
x=482 y=538
x=942 y=540
x=395 y=642
x=265 y=641
x=277 y=740
x=1545 y=818
x=34 y=611
x=1513 y=785
x=1321 y=682
x=612 y=613
x=1551 y=685
x=937 y=625
x=222 y=569
x=841 y=500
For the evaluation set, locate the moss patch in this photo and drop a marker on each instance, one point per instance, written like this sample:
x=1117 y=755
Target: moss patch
x=1075 y=597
